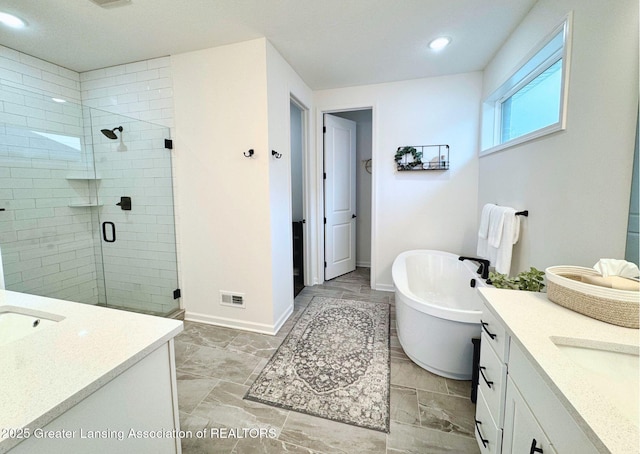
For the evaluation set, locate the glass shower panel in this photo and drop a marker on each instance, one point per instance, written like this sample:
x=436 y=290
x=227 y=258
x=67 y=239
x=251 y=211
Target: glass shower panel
x=46 y=228
x=135 y=210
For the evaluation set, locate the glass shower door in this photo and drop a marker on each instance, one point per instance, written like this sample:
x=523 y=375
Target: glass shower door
x=134 y=214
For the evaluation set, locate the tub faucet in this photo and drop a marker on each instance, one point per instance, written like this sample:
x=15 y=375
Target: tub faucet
x=483 y=269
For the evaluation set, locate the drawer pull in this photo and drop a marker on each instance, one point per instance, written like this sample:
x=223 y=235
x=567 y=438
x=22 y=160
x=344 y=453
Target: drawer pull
x=489 y=383
x=484 y=441
x=533 y=447
x=484 y=327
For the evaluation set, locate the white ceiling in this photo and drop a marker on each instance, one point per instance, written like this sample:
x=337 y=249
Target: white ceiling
x=330 y=43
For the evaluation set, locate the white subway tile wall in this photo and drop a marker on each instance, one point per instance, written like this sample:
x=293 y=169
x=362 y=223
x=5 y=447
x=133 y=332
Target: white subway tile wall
x=32 y=74
x=47 y=244
x=140 y=267
x=141 y=90
x=50 y=234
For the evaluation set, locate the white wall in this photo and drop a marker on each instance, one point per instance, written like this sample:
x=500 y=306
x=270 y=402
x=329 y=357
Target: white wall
x=282 y=83
x=220 y=113
x=422 y=209
x=235 y=212
x=575 y=183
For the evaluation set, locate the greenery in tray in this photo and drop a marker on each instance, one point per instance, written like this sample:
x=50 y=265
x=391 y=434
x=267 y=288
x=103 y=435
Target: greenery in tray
x=531 y=281
x=415 y=154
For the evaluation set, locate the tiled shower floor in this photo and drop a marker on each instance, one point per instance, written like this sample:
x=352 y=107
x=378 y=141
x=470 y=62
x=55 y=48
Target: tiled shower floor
x=215 y=366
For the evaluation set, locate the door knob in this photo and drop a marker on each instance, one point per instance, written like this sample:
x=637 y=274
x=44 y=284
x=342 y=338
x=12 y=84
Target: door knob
x=353 y=216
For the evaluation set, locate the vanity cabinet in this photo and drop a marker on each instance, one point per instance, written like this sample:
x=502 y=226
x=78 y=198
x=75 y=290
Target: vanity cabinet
x=494 y=350
x=516 y=412
x=522 y=433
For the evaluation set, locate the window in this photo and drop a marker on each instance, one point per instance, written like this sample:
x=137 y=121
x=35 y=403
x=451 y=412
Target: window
x=531 y=103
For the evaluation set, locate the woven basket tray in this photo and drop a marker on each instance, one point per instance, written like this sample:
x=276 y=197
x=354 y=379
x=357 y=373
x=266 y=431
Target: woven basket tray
x=618 y=307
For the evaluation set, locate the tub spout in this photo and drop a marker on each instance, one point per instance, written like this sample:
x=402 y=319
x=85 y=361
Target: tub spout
x=483 y=269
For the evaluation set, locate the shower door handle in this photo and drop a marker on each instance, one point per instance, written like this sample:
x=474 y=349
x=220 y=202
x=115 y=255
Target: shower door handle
x=113 y=232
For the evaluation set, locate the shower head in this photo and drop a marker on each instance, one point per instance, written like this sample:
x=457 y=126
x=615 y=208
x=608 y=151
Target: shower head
x=110 y=133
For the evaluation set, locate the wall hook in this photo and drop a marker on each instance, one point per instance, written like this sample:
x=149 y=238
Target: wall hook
x=276 y=154
x=248 y=154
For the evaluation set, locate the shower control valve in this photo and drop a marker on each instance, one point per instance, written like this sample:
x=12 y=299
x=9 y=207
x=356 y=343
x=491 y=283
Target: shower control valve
x=125 y=203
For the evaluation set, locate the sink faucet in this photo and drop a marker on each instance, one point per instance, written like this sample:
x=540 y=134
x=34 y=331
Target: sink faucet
x=483 y=269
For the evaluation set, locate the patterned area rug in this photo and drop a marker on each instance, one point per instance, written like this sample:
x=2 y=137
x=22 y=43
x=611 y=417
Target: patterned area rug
x=334 y=364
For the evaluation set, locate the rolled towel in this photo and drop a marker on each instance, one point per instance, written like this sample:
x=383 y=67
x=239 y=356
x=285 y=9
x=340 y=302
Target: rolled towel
x=614 y=282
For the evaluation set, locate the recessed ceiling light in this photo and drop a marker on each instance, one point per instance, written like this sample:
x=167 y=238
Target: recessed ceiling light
x=11 y=21
x=439 y=43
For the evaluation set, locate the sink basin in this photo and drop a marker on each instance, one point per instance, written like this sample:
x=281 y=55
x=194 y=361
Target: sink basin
x=614 y=371
x=17 y=322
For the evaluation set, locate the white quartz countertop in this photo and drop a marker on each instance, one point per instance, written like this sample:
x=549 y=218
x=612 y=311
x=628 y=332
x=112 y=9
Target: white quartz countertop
x=46 y=373
x=532 y=321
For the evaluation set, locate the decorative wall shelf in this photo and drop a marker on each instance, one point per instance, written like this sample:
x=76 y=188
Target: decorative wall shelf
x=422 y=157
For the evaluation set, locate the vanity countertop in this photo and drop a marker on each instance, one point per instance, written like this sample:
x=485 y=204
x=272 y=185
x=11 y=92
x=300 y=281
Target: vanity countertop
x=533 y=321
x=44 y=374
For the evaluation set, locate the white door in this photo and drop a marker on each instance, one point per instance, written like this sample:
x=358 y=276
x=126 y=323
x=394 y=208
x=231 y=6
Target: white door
x=339 y=196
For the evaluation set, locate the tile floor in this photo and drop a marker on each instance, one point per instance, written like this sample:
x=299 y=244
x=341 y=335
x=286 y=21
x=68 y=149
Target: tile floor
x=215 y=366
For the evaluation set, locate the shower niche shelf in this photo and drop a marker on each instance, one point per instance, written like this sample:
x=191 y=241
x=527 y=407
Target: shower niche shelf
x=80 y=176
x=84 y=204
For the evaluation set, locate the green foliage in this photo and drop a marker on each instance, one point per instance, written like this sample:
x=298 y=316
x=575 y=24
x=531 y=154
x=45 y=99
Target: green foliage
x=415 y=154
x=531 y=281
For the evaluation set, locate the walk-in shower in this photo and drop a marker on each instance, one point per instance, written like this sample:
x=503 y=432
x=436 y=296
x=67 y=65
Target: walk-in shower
x=81 y=222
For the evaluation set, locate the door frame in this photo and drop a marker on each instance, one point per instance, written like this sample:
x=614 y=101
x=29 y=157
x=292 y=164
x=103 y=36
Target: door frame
x=316 y=194
x=307 y=245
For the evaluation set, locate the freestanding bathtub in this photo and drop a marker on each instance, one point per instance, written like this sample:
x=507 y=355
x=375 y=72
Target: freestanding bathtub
x=437 y=310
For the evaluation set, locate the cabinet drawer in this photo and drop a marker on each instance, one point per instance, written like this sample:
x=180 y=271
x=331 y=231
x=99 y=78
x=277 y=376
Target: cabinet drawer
x=488 y=435
x=496 y=334
x=492 y=380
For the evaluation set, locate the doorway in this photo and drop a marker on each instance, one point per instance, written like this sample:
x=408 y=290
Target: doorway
x=297 y=195
x=359 y=237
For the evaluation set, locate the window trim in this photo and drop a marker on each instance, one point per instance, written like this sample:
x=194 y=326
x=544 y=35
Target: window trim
x=491 y=106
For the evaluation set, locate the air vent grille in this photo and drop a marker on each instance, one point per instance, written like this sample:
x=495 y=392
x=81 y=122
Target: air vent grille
x=232 y=299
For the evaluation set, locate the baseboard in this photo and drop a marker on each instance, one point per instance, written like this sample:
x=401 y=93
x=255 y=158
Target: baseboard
x=385 y=287
x=363 y=264
x=262 y=328
x=281 y=321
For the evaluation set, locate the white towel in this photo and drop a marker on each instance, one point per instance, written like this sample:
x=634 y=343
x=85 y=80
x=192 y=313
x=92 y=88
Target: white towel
x=509 y=237
x=503 y=233
x=496 y=224
x=483 y=230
